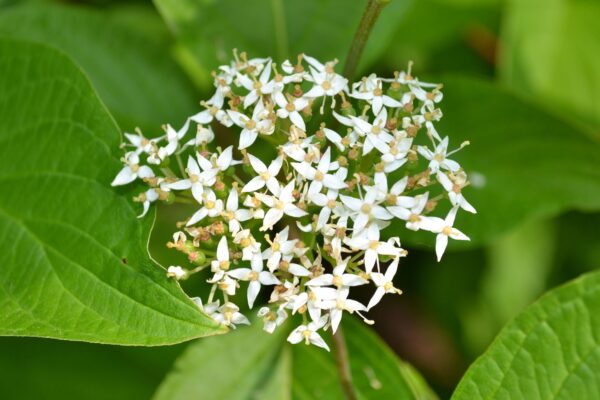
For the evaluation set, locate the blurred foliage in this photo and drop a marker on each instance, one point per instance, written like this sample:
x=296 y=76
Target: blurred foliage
x=550 y=52
x=522 y=83
x=268 y=368
x=54 y=370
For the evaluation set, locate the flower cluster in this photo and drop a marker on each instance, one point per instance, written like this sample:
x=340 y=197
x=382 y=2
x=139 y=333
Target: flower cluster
x=300 y=204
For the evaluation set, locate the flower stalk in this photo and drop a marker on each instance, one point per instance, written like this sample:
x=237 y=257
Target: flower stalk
x=343 y=365
x=361 y=36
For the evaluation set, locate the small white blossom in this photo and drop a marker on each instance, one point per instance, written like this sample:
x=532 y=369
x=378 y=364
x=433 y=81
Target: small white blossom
x=175 y=271
x=308 y=334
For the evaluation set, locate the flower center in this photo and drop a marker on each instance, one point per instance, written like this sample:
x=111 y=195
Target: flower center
x=366 y=208
x=210 y=204
x=224 y=265
x=414 y=218
x=279 y=204
x=319 y=176
x=331 y=204
x=388 y=286
x=265 y=175
x=250 y=124
x=290 y=107
x=447 y=230
x=337 y=281
x=326 y=85
x=373 y=245
x=253 y=276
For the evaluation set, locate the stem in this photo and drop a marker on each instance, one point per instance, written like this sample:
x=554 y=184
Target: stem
x=367 y=22
x=341 y=360
x=280 y=29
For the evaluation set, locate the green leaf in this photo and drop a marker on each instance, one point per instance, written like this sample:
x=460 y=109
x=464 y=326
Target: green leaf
x=550 y=351
x=132 y=71
x=523 y=163
x=74 y=259
x=551 y=52
x=249 y=363
x=33 y=368
x=209 y=30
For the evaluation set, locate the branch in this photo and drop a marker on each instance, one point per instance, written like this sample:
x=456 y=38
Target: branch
x=367 y=22
x=341 y=360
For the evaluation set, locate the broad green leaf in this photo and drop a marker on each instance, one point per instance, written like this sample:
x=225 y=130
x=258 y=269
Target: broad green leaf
x=74 y=259
x=234 y=366
x=523 y=163
x=33 y=368
x=250 y=363
x=209 y=30
x=551 y=52
x=550 y=351
x=132 y=71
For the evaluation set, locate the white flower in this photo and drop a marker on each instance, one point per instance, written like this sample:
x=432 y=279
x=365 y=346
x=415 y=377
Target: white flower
x=309 y=334
x=325 y=84
x=256 y=276
x=295 y=149
x=173 y=137
x=311 y=298
x=373 y=248
x=429 y=99
x=376 y=133
x=211 y=208
x=259 y=123
x=328 y=203
x=279 y=246
x=365 y=209
x=233 y=214
x=454 y=193
x=410 y=210
x=444 y=229
x=132 y=170
x=197 y=179
x=266 y=176
x=148 y=197
x=438 y=158
x=229 y=315
x=211 y=113
x=291 y=109
x=384 y=283
x=250 y=247
x=220 y=266
x=397 y=151
x=340 y=303
x=320 y=176
x=280 y=205
x=339 y=278
x=371 y=89
x=141 y=144
x=272 y=319
x=220 y=163
x=256 y=87
x=175 y=271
